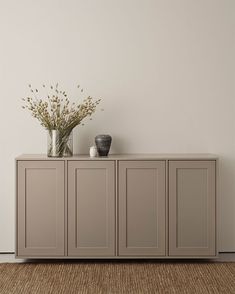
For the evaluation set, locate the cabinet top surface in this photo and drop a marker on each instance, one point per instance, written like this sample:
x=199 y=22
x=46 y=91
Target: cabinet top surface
x=145 y=156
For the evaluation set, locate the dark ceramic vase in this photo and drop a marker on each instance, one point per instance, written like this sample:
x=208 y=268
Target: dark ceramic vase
x=103 y=143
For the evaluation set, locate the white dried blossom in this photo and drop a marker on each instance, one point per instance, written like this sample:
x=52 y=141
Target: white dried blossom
x=56 y=112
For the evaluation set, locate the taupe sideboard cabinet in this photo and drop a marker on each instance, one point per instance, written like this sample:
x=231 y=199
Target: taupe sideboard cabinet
x=121 y=206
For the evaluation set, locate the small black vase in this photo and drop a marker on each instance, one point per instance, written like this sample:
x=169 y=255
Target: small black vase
x=103 y=143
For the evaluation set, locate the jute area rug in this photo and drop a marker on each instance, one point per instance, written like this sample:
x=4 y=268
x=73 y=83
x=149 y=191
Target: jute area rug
x=135 y=277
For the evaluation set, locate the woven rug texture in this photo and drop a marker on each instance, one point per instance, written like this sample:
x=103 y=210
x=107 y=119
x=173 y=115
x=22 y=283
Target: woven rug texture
x=117 y=277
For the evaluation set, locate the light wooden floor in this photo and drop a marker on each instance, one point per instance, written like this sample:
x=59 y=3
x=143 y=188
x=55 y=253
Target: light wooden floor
x=10 y=257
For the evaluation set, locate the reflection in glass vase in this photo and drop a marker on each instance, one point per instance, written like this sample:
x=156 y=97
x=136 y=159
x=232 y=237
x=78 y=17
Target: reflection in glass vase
x=59 y=143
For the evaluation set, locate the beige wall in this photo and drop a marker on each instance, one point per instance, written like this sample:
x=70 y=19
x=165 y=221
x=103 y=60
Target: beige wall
x=165 y=70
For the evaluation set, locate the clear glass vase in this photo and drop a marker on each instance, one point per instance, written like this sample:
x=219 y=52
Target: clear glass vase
x=59 y=143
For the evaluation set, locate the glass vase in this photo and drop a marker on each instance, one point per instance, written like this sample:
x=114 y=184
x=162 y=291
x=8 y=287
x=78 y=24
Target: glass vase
x=59 y=143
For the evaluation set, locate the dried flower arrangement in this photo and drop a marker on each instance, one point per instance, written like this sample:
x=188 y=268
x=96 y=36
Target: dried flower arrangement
x=57 y=113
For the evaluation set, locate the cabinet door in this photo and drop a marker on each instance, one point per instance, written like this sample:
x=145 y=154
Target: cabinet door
x=192 y=208
x=40 y=208
x=142 y=208
x=91 y=208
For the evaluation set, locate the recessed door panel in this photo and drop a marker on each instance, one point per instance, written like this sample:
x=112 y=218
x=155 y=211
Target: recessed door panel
x=40 y=208
x=142 y=208
x=91 y=203
x=191 y=208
